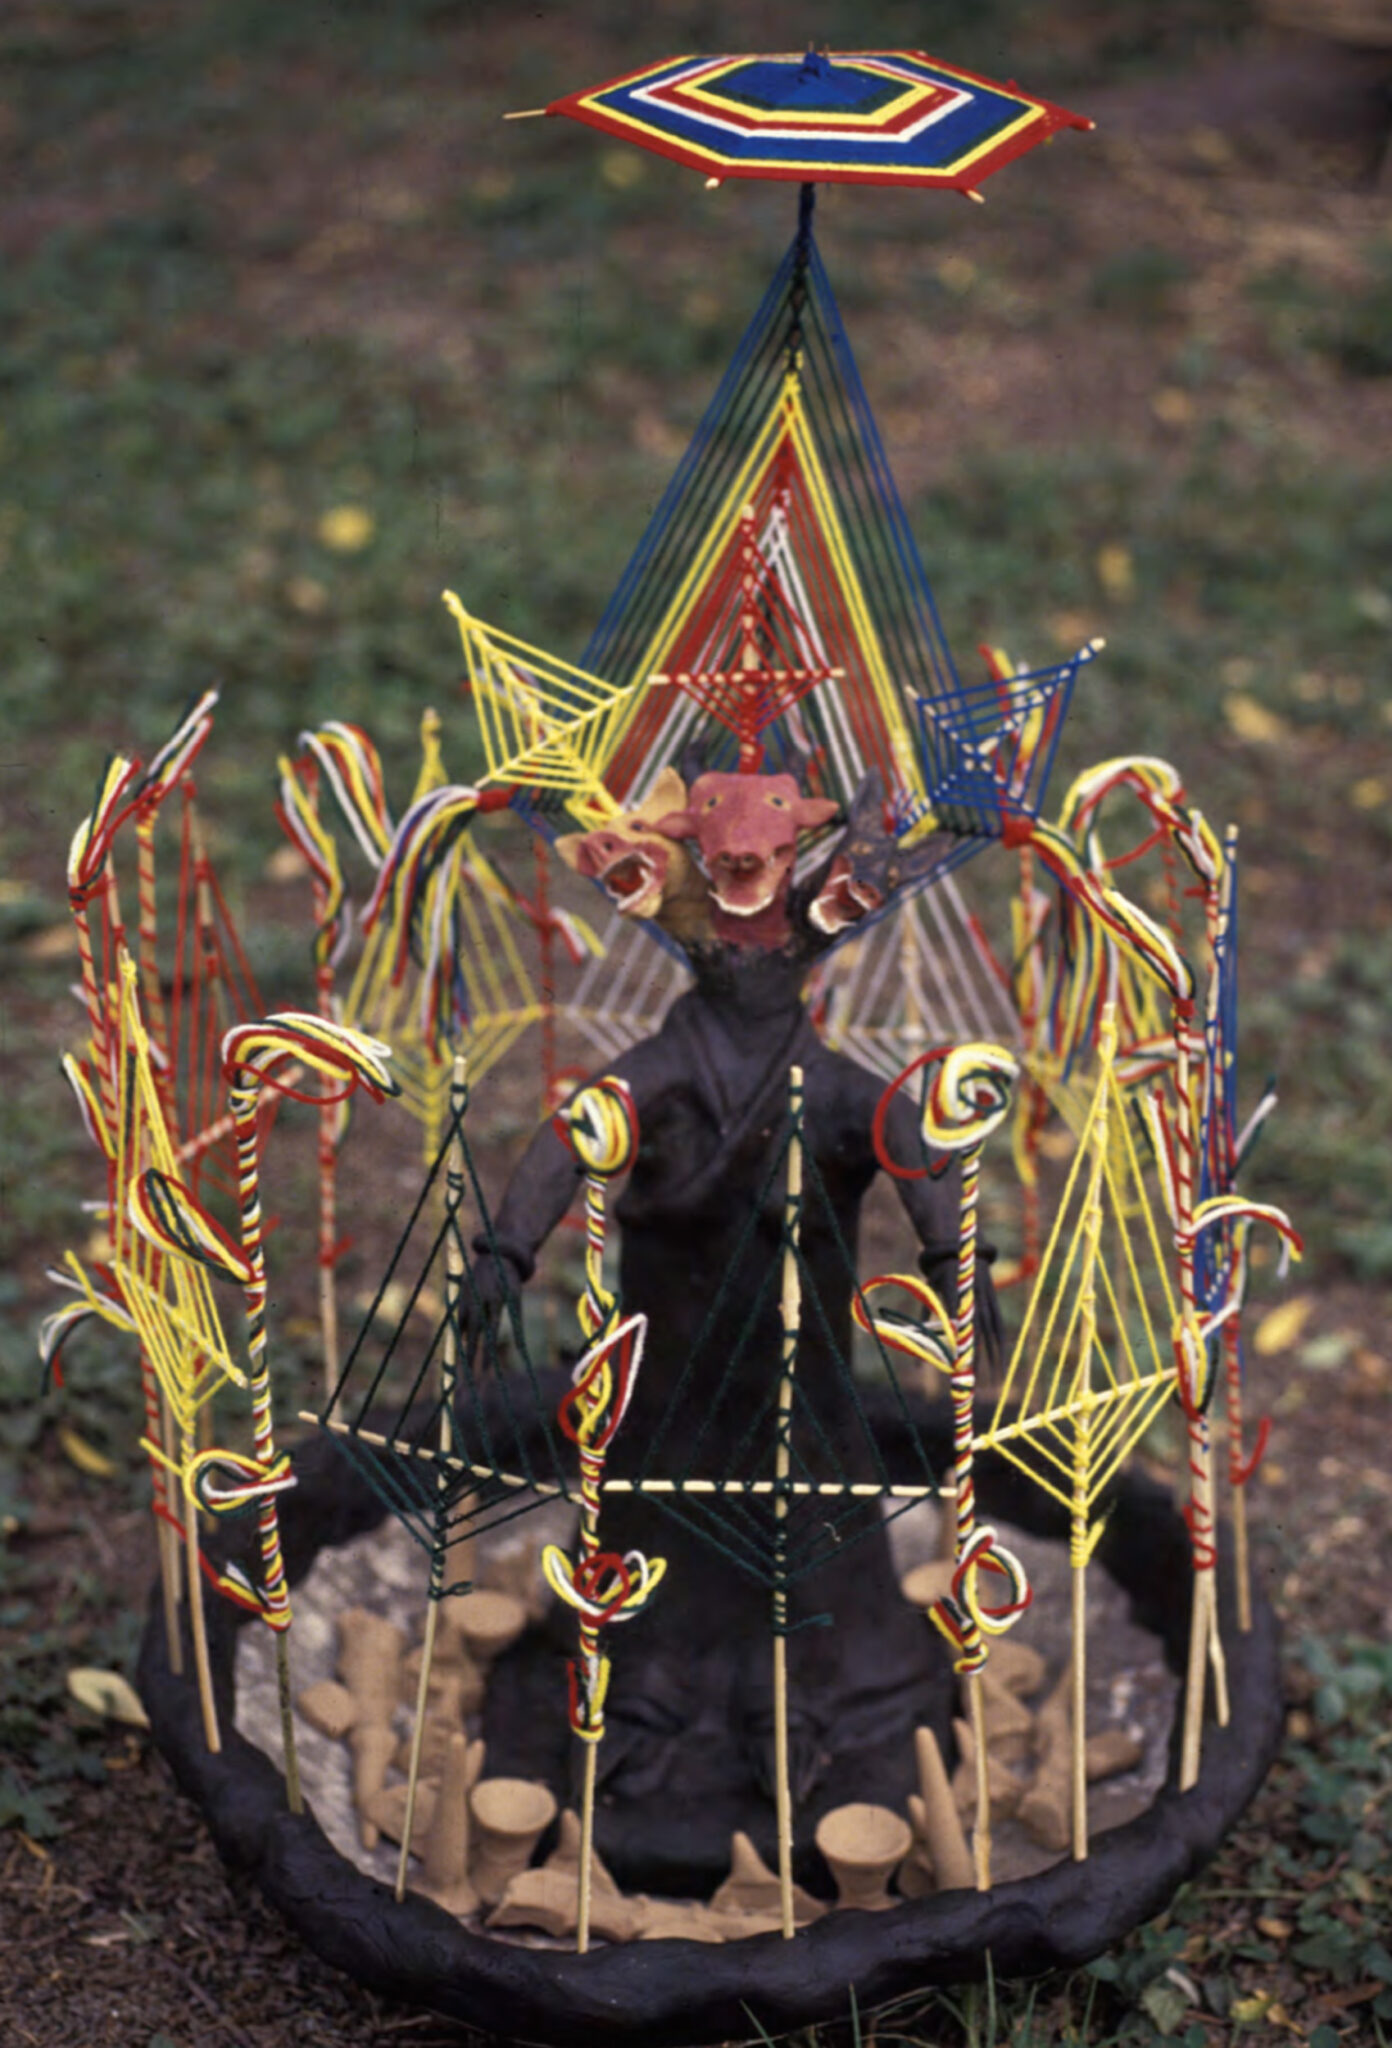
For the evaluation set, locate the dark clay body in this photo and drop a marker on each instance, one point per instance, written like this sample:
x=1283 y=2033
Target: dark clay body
x=688 y=1751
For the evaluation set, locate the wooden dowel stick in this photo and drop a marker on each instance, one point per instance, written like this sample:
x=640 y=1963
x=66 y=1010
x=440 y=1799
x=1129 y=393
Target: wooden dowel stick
x=1221 y=1704
x=829 y=1489
x=1079 y=1730
x=792 y=1316
x=211 y=1733
x=783 y=1794
x=168 y=1539
x=449 y=1359
x=432 y=1615
x=1242 y=1562
x=1194 y=1684
x=294 y=1797
x=586 y=1873
x=328 y=1325
x=981 y=1834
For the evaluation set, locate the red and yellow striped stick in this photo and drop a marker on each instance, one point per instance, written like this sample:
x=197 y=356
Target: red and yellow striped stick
x=250 y=1055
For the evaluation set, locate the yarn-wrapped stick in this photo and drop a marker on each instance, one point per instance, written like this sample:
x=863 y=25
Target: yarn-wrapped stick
x=600 y=1124
x=350 y=764
x=601 y=1586
x=966 y=1098
x=251 y=1054
x=166 y=771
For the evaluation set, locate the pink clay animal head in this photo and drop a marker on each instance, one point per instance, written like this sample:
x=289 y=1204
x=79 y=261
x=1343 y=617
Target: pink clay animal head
x=632 y=860
x=747 y=828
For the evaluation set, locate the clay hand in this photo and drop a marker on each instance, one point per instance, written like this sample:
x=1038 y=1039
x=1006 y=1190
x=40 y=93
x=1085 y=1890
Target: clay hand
x=490 y=1285
x=940 y=1271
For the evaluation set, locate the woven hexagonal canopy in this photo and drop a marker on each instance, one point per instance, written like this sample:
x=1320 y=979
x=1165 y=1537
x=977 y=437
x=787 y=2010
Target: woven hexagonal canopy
x=882 y=117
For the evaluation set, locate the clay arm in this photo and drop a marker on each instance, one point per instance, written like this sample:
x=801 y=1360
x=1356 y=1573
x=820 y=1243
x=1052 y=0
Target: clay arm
x=541 y=1189
x=934 y=1209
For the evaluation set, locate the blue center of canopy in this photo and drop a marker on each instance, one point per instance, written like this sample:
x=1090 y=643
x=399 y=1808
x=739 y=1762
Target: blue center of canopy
x=810 y=86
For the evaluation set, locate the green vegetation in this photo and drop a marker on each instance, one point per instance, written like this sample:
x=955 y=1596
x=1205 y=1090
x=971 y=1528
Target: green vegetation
x=262 y=264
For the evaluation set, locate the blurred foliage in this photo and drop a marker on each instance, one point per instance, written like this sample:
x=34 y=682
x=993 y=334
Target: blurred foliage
x=230 y=453
x=195 y=490
x=1359 y=336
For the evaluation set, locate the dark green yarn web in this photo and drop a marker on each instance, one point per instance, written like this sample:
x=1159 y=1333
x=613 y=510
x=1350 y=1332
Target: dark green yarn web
x=400 y=1386
x=508 y=1453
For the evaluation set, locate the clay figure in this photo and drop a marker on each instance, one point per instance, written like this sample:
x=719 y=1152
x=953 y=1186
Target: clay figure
x=688 y=1754
x=642 y=871
x=746 y=827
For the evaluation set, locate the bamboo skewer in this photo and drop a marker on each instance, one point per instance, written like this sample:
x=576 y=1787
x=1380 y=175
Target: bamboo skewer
x=791 y=1308
x=795 y=1489
x=601 y=1127
x=1221 y=912
x=328 y=1189
x=585 y=1877
x=1204 y=1646
x=449 y=1360
x=1079 y=1547
x=197 y=1616
x=167 y=1537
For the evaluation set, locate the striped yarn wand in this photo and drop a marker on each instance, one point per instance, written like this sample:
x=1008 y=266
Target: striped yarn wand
x=250 y=1055
x=600 y=1124
x=967 y=1097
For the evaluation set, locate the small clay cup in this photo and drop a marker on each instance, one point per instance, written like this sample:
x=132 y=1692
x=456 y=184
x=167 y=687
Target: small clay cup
x=510 y=1816
x=487 y=1622
x=863 y=1846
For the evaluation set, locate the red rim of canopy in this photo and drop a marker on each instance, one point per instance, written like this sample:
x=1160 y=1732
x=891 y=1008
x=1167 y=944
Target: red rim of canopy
x=870 y=117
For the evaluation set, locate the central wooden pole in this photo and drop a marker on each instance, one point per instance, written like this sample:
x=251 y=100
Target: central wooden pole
x=792 y=1320
x=449 y=1362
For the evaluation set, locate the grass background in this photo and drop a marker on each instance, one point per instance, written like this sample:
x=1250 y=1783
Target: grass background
x=265 y=262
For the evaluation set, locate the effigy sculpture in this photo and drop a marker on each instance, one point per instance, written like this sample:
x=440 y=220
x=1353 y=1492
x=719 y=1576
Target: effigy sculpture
x=690 y=1716
x=769 y=766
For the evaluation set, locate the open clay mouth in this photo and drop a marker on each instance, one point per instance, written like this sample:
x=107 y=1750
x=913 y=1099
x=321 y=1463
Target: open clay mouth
x=844 y=901
x=631 y=880
x=745 y=887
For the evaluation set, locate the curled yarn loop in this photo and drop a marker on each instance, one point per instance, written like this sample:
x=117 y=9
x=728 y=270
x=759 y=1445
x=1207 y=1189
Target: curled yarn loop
x=968 y=1097
x=229 y=1483
x=329 y=1048
x=58 y=1325
x=89 y=1105
x=963 y=1616
x=177 y=754
x=1234 y=1209
x=931 y=1340
x=600 y=1124
x=174 y=1221
x=269 y=1603
x=602 y=1386
x=299 y=817
x=350 y=765
x=91 y=843
x=603 y=1587
x=1195 y=1364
